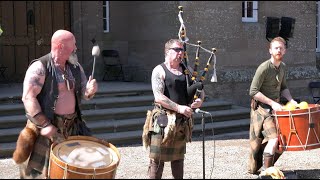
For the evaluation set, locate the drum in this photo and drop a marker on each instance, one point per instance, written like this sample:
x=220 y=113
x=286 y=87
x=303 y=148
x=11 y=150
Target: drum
x=83 y=157
x=298 y=130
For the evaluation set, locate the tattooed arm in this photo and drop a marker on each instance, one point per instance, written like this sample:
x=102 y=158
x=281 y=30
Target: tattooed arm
x=32 y=85
x=158 y=85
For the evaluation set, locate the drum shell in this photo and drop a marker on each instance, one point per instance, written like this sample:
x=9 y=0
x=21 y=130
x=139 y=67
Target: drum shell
x=298 y=130
x=75 y=172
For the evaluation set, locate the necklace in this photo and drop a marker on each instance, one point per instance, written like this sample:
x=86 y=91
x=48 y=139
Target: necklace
x=65 y=77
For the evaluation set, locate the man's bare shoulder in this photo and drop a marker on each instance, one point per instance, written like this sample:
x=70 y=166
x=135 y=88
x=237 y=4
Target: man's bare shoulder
x=158 y=72
x=158 y=68
x=37 y=65
x=35 y=72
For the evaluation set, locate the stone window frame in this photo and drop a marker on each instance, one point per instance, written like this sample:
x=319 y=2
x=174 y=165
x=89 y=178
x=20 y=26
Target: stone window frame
x=106 y=18
x=250 y=14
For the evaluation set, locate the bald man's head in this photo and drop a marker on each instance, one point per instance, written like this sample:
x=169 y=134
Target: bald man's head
x=61 y=36
x=63 y=45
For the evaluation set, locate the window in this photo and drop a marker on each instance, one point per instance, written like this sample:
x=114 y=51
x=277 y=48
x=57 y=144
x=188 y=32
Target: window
x=106 y=16
x=249 y=11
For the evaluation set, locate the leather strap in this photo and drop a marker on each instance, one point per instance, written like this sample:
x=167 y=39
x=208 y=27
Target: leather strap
x=40 y=120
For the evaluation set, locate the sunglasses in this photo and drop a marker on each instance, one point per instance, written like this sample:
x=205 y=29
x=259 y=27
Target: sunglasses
x=177 y=49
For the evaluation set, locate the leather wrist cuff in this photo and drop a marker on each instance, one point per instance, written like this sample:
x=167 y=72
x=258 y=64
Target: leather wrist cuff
x=40 y=120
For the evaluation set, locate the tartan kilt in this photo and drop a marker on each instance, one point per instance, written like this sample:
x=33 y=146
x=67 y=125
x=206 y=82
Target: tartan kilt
x=174 y=150
x=262 y=128
x=37 y=166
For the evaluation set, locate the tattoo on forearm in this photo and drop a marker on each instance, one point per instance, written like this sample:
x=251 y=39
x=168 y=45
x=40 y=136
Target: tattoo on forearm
x=171 y=104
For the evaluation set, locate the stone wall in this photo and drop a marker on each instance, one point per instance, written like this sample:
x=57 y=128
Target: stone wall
x=138 y=30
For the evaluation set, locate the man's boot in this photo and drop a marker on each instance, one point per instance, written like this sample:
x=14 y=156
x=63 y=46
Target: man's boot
x=267 y=160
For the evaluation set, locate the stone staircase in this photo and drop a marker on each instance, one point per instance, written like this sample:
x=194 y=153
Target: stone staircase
x=118 y=116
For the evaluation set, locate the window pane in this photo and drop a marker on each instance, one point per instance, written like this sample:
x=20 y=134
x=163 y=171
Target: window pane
x=243 y=7
x=106 y=16
x=249 y=9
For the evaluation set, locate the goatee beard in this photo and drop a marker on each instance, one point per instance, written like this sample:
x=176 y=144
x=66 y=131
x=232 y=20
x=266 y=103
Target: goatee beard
x=73 y=59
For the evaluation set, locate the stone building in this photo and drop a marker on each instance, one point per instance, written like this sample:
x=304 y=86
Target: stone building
x=139 y=29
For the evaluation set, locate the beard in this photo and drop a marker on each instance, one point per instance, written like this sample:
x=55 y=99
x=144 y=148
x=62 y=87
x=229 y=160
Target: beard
x=178 y=59
x=73 y=59
x=278 y=57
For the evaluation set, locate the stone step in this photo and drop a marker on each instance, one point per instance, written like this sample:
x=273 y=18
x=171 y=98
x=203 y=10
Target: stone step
x=8 y=121
x=11 y=109
x=133 y=137
x=118 y=115
x=95 y=103
x=116 y=102
x=130 y=124
x=105 y=89
x=112 y=102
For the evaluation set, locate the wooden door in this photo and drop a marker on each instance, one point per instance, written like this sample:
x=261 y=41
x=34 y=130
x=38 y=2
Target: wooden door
x=27 y=29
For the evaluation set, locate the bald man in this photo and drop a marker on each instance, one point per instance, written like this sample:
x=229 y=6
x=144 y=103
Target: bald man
x=52 y=91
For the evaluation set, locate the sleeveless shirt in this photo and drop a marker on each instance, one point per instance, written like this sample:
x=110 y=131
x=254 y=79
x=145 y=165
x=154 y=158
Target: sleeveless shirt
x=175 y=86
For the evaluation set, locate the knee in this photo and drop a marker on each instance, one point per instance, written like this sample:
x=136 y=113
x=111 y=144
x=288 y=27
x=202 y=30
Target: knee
x=271 y=146
x=273 y=142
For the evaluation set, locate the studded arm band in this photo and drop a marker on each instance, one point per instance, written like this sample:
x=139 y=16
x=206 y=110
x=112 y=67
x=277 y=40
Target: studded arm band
x=40 y=120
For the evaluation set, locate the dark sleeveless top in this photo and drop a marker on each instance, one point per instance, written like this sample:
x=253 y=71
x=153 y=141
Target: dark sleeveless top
x=49 y=93
x=175 y=86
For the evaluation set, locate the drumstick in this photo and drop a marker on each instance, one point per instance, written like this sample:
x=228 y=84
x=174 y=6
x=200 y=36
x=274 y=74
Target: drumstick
x=95 y=52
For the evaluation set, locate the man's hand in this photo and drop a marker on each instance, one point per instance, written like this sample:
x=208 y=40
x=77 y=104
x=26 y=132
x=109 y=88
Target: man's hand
x=197 y=103
x=57 y=138
x=276 y=106
x=293 y=102
x=48 y=131
x=91 y=87
x=185 y=110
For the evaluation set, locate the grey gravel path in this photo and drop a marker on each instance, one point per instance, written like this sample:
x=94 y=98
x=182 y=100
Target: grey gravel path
x=228 y=160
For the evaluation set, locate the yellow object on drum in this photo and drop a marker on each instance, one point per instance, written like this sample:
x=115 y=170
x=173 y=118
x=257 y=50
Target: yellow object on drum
x=289 y=106
x=83 y=157
x=303 y=105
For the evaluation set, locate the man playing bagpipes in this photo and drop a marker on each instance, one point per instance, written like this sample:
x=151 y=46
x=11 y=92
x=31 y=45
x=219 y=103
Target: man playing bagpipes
x=177 y=91
x=172 y=111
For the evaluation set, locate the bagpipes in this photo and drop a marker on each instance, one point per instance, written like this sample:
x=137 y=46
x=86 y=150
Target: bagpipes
x=194 y=84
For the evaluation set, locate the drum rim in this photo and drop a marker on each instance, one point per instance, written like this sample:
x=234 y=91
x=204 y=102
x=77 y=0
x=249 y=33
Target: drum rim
x=314 y=108
x=112 y=165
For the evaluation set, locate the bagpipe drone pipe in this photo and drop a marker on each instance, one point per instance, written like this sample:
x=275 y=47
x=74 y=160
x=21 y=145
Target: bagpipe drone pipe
x=194 y=82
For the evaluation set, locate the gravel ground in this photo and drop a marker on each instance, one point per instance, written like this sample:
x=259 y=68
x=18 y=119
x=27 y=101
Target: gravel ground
x=226 y=157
